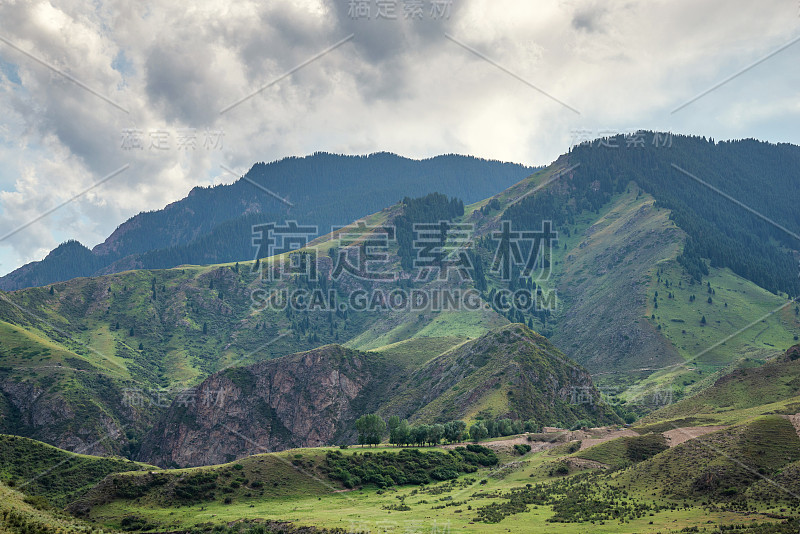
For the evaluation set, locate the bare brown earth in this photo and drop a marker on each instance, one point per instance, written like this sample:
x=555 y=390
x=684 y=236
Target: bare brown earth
x=680 y=435
x=583 y=463
x=595 y=436
x=601 y=435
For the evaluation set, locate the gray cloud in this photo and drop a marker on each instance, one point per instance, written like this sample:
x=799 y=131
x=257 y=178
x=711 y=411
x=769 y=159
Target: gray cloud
x=589 y=17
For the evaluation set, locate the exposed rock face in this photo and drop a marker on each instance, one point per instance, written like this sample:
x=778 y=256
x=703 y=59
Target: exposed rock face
x=76 y=425
x=301 y=400
x=313 y=398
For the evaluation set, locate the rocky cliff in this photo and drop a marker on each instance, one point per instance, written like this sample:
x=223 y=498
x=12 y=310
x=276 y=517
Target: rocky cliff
x=304 y=399
x=313 y=398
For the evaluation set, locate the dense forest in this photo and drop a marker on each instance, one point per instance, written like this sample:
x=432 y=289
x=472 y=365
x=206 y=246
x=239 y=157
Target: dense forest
x=433 y=208
x=761 y=176
x=214 y=224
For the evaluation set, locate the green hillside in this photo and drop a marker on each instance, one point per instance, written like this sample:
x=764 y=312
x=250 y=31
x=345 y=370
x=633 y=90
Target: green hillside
x=20 y=514
x=624 y=451
x=753 y=390
x=58 y=476
x=502 y=374
x=723 y=464
x=545 y=491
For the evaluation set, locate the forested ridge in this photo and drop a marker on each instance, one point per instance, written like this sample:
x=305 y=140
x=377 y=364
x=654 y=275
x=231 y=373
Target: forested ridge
x=762 y=176
x=214 y=224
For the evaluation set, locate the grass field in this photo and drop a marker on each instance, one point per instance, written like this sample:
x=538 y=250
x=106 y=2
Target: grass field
x=742 y=320
x=21 y=514
x=454 y=506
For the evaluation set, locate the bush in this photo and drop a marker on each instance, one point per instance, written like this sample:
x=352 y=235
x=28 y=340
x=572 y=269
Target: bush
x=409 y=466
x=560 y=470
x=38 y=502
x=522 y=449
x=444 y=474
x=132 y=522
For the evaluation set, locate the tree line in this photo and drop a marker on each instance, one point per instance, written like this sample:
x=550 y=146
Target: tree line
x=372 y=429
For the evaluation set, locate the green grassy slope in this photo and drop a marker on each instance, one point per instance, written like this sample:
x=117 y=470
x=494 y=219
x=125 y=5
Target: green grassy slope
x=277 y=480
x=741 y=394
x=527 y=494
x=608 y=266
x=724 y=463
x=602 y=277
x=510 y=372
x=415 y=352
x=20 y=514
x=622 y=452
x=59 y=476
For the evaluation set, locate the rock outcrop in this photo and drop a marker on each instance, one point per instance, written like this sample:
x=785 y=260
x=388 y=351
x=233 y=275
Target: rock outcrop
x=313 y=398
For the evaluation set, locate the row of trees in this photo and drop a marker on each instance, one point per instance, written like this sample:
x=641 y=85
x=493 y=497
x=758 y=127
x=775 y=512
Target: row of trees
x=501 y=427
x=372 y=429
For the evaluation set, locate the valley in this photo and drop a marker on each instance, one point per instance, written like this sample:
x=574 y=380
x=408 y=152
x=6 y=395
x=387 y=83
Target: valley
x=615 y=368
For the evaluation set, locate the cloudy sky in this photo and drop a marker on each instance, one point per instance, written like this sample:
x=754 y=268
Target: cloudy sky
x=156 y=92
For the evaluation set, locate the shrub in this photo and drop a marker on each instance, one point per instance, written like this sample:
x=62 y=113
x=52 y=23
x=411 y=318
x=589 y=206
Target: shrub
x=560 y=470
x=522 y=449
x=409 y=466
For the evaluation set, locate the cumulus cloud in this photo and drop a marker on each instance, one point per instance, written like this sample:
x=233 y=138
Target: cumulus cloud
x=398 y=84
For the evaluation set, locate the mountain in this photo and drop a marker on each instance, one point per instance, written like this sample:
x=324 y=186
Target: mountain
x=214 y=224
x=313 y=398
x=654 y=266
x=661 y=475
x=621 y=293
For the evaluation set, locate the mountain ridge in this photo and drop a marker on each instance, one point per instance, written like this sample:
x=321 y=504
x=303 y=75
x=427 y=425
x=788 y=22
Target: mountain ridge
x=214 y=224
